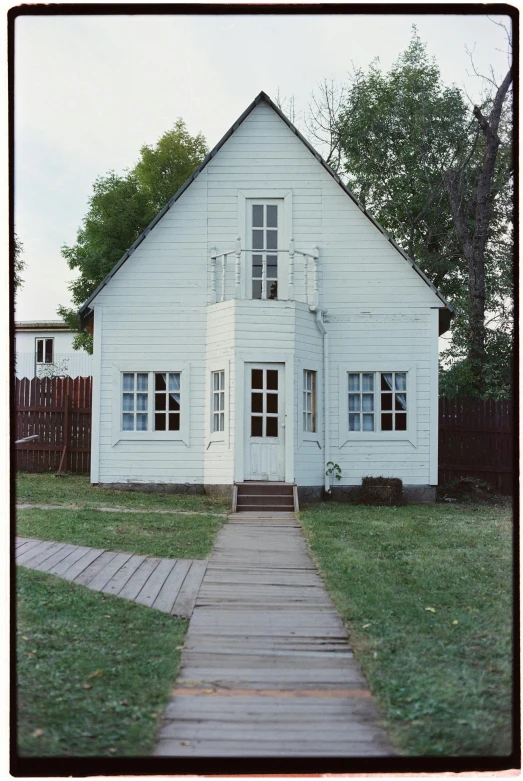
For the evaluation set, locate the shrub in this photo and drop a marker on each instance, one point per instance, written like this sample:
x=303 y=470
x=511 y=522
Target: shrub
x=381 y=491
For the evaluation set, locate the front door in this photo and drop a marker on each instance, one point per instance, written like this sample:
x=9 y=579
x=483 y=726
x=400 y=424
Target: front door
x=264 y=422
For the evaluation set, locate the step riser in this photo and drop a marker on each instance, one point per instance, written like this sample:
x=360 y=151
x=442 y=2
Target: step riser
x=258 y=490
x=288 y=501
x=278 y=508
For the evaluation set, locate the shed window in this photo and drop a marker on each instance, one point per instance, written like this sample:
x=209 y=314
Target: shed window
x=167 y=401
x=309 y=400
x=377 y=401
x=135 y=394
x=218 y=401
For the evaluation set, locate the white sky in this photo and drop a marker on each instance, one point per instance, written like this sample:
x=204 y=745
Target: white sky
x=89 y=91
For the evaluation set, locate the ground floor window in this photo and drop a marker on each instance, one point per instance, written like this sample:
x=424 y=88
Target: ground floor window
x=377 y=401
x=151 y=401
x=309 y=400
x=218 y=401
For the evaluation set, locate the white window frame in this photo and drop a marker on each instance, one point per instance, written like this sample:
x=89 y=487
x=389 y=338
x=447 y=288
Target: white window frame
x=313 y=366
x=219 y=365
x=346 y=436
x=44 y=339
x=245 y=200
x=183 y=367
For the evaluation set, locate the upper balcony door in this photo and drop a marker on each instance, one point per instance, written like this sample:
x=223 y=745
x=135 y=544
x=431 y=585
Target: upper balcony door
x=267 y=269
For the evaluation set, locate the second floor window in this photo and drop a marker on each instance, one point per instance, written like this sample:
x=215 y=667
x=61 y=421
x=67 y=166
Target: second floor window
x=44 y=350
x=264 y=242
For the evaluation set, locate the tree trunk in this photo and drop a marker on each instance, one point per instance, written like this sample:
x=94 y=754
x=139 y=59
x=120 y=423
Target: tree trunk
x=473 y=243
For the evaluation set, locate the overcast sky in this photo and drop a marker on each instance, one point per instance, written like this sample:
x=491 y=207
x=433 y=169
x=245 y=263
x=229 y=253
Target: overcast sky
x=90 y=91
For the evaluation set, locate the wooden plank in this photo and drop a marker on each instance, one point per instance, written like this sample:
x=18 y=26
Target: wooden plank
x=111 y=568
x=135 y=583
x=169 y=591
x=118 y=581
x=184 y=604
x=74 y=556
x=82 y=563
x=56 y=558
x=154 y=583
x=25 y=545
x=35 y=555
x=85 y=577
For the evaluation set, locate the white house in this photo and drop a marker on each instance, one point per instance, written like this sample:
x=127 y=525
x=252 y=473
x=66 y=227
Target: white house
x=262 y=326
x=45 y=348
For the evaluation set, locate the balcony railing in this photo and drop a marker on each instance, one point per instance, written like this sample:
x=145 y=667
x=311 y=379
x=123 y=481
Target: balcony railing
x=308 y=268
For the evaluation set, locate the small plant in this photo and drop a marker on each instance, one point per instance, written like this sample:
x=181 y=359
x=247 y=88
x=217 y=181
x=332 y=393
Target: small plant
x=333 y=470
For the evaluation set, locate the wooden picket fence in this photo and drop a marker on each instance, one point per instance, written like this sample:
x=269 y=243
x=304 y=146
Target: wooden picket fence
x=58 y=409
x=476 y=439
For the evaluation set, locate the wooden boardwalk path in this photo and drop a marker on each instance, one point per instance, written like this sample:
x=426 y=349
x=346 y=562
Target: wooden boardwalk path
x=266 y=668
x=170 y=585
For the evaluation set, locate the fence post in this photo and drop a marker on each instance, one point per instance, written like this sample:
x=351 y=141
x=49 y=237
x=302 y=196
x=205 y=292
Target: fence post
x=66 y=435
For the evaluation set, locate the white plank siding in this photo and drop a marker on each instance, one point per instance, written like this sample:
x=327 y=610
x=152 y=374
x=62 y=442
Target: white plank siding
x=157 y=308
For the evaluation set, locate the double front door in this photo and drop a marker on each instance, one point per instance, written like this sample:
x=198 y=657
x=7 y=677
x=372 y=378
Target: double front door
x=264 y=422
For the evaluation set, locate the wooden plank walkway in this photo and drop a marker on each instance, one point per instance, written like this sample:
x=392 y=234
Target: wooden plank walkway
x=169 y=585
x=266 y=668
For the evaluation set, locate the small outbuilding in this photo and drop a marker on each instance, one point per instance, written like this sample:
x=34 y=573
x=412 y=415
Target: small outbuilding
x=262 y=326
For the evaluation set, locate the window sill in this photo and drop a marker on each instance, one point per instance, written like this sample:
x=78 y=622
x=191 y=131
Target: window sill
x=153 y=436
x=378 y=436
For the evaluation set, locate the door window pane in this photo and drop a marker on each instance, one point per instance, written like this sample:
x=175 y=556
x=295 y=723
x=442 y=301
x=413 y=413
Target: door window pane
x=264 y=236
x=272 y=379
x=257 y=378
x=272 y=216
x=272 y=402
x=256 y=426
x=272 y=427
x=257 y=402
x=257 y=216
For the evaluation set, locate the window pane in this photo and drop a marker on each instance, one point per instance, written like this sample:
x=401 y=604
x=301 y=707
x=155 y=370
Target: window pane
x=272 y=402
x=159 y=382
x=216 y=402
x=367 y=382
x=401 y=401
x=159 y=421
x=401 y=421
x=354 y=422
x=386 y=401
x=272 y=216
x=40 y=350
x=354 y=402
x=216 y=381
x=256 y=426
x=401 y=381
x=141 y=401
x=367 y=402
x=257 y=402
x=174 y=401
x=354 y=382
x=142 y=382
x=257 y=289
x=174 y=381
x=308 y=380
x=257 y=378
x=141 y=421
x=386 y=381
x=257 y=239
x=272 y=427
x=272 y=379
x=272 y=240
x=159 y=401
x=128 y=382
x=48 y=350
x=216 y=421
x=368 y=422
x=272 y=266
x=257 y=216
x=222 y=400
x=386 y=421
x=128 y=402
x=222 y=380
x=128 y=422
x=257 y=266
x=174 y=421
x=222 y=421
x=272 y=292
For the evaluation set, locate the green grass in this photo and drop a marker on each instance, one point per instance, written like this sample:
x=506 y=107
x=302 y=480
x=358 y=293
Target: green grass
x=94 y=672
x=442 y=679
x=76 y=491
x=167 y=536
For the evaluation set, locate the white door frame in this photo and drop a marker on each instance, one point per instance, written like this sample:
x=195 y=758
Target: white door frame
x=254 y=356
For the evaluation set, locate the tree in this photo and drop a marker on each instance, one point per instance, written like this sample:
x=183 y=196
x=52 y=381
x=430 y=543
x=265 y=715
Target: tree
x=19 y=264
x=120 y=208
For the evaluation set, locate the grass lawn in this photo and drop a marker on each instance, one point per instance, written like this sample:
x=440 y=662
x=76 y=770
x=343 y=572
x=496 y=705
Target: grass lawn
x=441 y=676
x=167 y=536
x=170 y=534
x=94 y=671
x=76 y=491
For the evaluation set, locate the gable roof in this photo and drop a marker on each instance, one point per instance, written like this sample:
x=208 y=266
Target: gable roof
x=445 y=315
